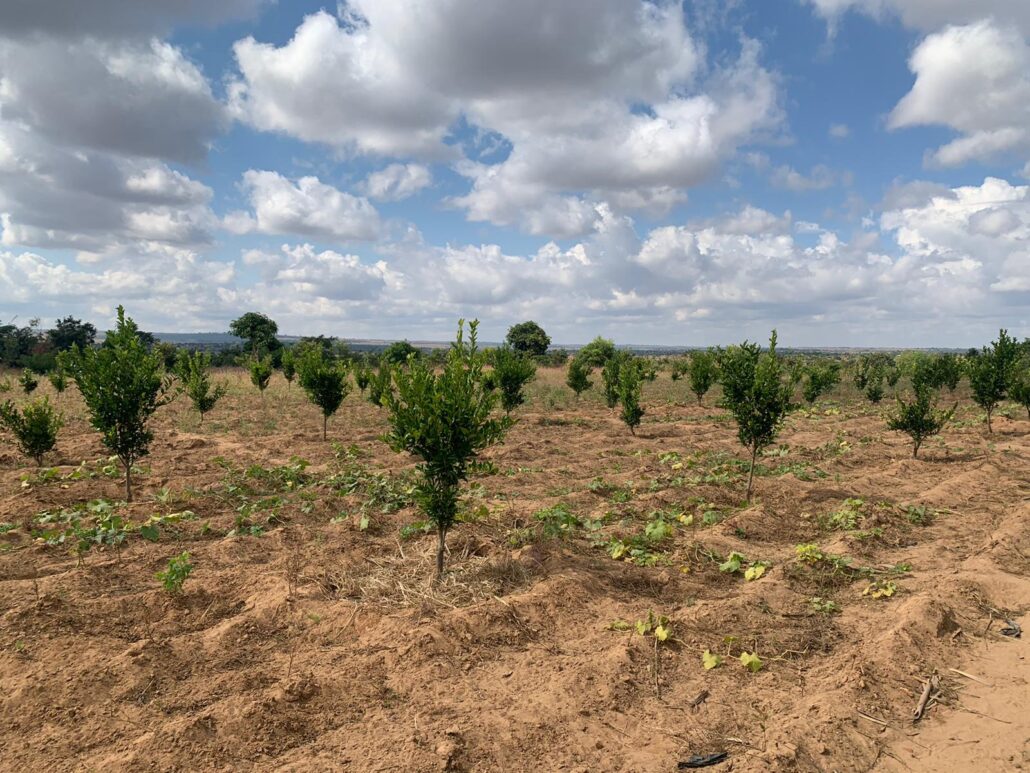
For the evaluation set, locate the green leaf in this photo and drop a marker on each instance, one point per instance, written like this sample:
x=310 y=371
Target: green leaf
x=150 y=531
x=619 y=625
x=732 y=563
x=363 y=523
x=751 y=661
x=710 y=660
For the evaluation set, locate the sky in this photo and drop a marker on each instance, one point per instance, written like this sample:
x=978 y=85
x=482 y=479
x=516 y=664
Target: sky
x=850 y=172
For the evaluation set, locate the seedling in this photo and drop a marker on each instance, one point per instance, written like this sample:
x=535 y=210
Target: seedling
x=179 y=568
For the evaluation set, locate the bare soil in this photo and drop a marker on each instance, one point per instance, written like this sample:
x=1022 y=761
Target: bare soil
x=310 y=638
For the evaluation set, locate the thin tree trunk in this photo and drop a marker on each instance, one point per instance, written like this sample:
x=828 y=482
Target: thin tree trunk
x=325 y=424
x=441 y=546
x=751 y=474
x=915 y=450
x=989 y=428
x=128 y=480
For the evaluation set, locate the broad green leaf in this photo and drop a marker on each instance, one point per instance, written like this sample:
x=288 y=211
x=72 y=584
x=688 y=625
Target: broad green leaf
x=751 y=661
x=710 y=660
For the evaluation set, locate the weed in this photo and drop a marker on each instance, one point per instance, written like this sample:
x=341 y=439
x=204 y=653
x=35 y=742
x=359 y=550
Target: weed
x=179 y=568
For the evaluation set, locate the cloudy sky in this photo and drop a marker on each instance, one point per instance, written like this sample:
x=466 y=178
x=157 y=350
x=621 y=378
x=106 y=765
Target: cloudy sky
x=853 y=172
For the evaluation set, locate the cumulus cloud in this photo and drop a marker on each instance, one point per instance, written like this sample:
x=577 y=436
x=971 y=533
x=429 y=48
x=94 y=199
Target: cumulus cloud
x=307 y=207
x=398 y=181
x=929 y=14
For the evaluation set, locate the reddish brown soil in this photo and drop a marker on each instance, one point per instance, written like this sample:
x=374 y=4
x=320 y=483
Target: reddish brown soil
x=319 y=646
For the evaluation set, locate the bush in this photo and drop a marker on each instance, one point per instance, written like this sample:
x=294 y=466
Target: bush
x=325 y=383
x=362 y=377
x=445 y=420
x=193 y=369
x=755 y=392
x=380 y=385
x=1020 y=389
x=919 y=418
x=874 y=391
x=260 y=369
x=528 y=338
x=578 y=378
x=58 y=380
x=703 y=372
x=512 y=371
x=630 y=384
x=679 y=368
x=597 y=352
x=29 y=381
x=610 y=377
x=122 y=384
x=34 y=427
x=288 y=363
x=819 y=378
x=398 y=353
x=991 y=373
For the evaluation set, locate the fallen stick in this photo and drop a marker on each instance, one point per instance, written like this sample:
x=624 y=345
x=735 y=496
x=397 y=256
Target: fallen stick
x=873 y=719
x=970 y=676
x=932 y=685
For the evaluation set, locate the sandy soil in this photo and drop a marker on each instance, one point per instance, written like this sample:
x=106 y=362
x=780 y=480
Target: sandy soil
x=305 y=642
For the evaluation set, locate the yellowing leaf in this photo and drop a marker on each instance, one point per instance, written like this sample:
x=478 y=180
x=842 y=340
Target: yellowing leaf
x=754 y=572
x=686 y=520
x=619 y=625
x=751 y=661
x=710 y=660
x=661 y=632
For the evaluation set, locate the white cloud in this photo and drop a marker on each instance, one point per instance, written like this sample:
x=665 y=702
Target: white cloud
x=308 y=208
x=820 y=178
x=840 y=131
x=929 y=14
x=976 y=80
x=397 y=181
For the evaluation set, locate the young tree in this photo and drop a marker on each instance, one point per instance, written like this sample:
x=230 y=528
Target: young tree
x=679 y=368
x=260 y=372
x=528 y=338
x=703 y=372
x=819 y=378
x=193 y=369
x=630 y=385
x=445 y=419
x=755 y=392
x=34 y=427
x=29 y=381
x=123 y=385
x=325 y=383
x=288 y=363
x=58 y=380
x=597 y=352
x=258 y=331
x=380 y=384
x=610 y=377
x=398 y=353
x=991 y=371
x=69 y=332
x=362 y=376
x=1020 y=389
x=512 y=371
x=578 y=378
x=919 y=418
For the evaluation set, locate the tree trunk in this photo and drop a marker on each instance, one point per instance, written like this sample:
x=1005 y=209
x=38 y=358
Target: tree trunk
x=441 y=546
x=325 y=425
x=128 y=480
x=751 y=474
x=915 y=450
x=990 y=429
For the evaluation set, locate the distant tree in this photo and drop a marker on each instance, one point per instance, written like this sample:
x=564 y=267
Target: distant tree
x=69 y=332
x=34 y=427
x=398 y=352
x=380 y=384
x=756 y=391
x=325 y=383
x=362 y=376
x=122 y=384
x=260 y=369
x=991 y=373
x=445 y=419
x=597 y=352
x=194 y=370
x=258 y=331
x=288 y=363
x=528 y=338
x=578 y=378
x=512 y=371
x=919 y=418
x=610 y=377
x=703 y=372
x=819 y=378
x=29 y=381
x=629 y=389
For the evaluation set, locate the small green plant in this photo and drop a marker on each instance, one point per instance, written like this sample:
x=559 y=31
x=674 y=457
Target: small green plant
x=179 y=569
x=751 y=661
x=58 y=380
x=557 y=522
x=29 y=381
x=991 y=373
x=578 y=378
x=630 y=385
x=193 y=370
x=362 y=377
x=703 y=372
x=34 y=427
x=919 y=419
x=288 y=364
x=260 y=369
x=819 y=378
x=710 y=660
x=380 y=385
x=325 y=383
x=658 y=626
x=880 y=589
x=848 y=516
x=823 y=606
x=512 y=371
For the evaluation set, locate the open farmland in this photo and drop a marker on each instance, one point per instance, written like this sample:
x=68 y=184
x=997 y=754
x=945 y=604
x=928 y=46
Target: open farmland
x=309 y=635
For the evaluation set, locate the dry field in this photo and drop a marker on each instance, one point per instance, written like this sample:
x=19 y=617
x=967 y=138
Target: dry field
x=309 y=638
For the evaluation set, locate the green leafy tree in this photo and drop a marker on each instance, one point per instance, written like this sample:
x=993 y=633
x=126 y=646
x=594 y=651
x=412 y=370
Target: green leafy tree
x=288 y=363
x=919 y=418
x=260 y=333
x=122 y=384
x=69 y=333
x=325 y=383
x=610 y=377
x=679 y=368
x=630 y=385
x=991 y=373
x=578 y=378
x=528 y=338
x=34 y=427
x=757 y=393
x=703 y=372
x=819 y=378
x=597 y=352
x=1020 y=389
x=398 y=353
x=362 y=376
x=58 y=380
x=260 y=369
x=194 y=371
x=380 y=385
x=29 y=381
x=512 y=371
x=445 y=419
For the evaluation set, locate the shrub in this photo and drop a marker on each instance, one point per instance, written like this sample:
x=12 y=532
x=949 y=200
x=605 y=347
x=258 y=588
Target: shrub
x=578 y=378
x=29 y=381
x=179 y=569
x=193 y=369
x=630 y=384
x=610 y=377
x=362 y=377
x=260 y=372
x=597 y=352
x=288 y=363
x=398 y=353
x=991 y=372
x=445 y=420
x=34 y=427
x=58 y=380
x=703 y=372
x=380 y=385
x=918 y=418
x=528 y=338
x=874 y=391
x=325 y=383
x=1020 y=389
x=819 y=378
x=122 y=384
x=512 y=371
x=679 y=368
x=755 y=393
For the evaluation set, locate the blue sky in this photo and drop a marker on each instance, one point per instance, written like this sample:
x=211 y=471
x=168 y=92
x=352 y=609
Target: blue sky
x=852 y=172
